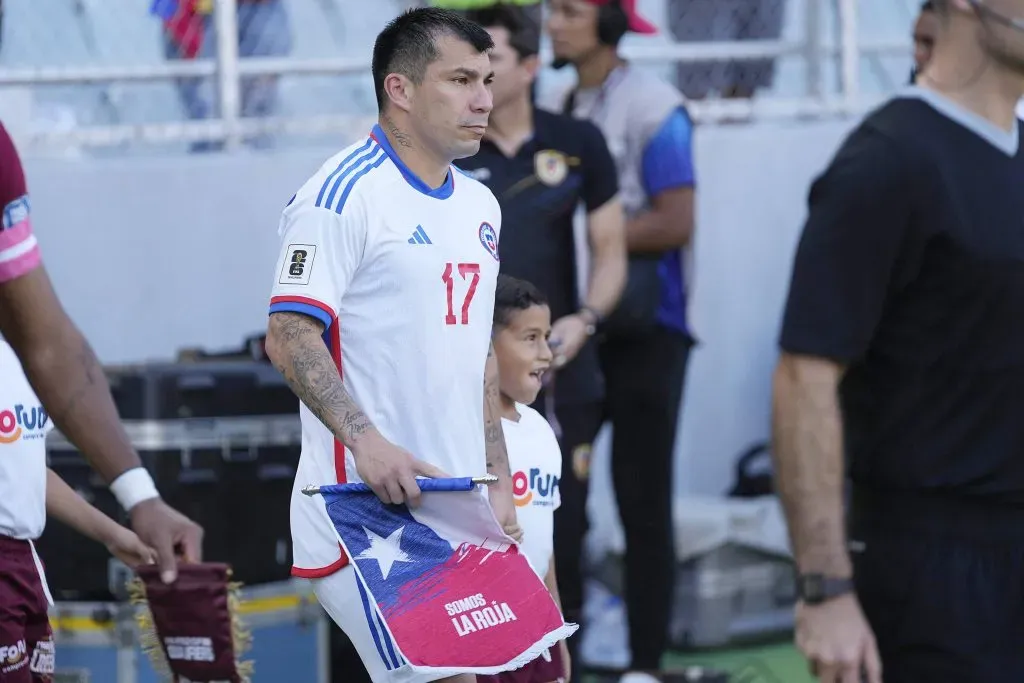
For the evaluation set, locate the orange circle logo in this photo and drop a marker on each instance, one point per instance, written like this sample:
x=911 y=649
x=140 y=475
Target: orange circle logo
x=9 y=429
x=521 y=493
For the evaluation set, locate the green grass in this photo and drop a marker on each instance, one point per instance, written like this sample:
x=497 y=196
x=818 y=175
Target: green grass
x=769 y=663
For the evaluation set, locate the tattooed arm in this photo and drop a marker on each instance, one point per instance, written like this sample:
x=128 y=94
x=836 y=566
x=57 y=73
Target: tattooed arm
x=296 y=347
x=495 y=450
x=494 y=436
x=297 y=350
x=64 y=372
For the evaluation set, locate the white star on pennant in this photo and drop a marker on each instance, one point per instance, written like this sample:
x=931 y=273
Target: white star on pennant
x=386 y=551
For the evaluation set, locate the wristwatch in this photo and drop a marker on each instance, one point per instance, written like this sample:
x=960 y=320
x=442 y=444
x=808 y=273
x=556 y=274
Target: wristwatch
x=591 y=317
x=814 y=589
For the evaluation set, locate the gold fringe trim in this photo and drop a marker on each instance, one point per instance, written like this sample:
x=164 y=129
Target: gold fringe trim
x=241 y=635
x=149 y=640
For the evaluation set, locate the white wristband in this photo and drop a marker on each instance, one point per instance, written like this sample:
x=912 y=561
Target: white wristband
x=133 y=486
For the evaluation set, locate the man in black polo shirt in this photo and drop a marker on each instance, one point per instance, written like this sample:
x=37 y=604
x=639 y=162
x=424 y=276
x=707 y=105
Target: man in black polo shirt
x=903 y=346
x=541 y=167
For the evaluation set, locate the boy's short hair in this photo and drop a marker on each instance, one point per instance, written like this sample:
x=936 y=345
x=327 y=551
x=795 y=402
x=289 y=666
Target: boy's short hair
x=512 y=295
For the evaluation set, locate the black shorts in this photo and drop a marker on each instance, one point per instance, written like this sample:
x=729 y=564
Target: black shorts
x=942 y=585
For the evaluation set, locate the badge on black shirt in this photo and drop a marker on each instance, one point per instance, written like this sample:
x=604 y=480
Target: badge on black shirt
x=551 y=167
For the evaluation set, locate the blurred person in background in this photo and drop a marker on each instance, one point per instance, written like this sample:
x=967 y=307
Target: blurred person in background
x=182 y=31
x=902 y=366
x=531 y=9
x=189 y=33
x=926 y=26
x=696 y=21
x=542 y=166
x=646 y=339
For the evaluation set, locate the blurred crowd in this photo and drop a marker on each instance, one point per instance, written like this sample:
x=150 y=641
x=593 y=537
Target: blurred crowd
x=264 y=30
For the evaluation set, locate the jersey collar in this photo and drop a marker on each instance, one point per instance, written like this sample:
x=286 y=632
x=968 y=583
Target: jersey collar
x=1005 y=141
x=442 y=192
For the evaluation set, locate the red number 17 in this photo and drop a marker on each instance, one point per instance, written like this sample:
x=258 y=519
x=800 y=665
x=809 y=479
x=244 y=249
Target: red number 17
x=449 y=283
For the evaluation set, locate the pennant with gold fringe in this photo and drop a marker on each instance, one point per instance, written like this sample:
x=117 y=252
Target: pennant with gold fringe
x=191 y=629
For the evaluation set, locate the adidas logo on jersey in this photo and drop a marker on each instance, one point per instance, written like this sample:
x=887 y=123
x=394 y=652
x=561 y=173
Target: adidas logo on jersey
x=419 y=236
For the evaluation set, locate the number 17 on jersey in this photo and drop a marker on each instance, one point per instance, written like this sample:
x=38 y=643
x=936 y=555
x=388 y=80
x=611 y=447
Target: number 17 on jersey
x=468 y=279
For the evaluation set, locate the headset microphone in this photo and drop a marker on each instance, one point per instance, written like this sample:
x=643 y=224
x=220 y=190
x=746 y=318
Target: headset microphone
x=986 y=12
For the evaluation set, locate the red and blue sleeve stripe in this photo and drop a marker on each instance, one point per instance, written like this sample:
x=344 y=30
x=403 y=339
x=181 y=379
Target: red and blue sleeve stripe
x=304 y=305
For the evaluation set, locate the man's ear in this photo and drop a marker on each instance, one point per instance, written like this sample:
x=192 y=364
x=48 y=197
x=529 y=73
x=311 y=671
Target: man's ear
x=532 y=65
x=399 y=90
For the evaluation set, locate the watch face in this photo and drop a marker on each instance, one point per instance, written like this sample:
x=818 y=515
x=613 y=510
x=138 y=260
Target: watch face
x=812 y=587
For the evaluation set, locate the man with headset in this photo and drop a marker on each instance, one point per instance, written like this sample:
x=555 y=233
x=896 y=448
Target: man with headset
x=646 y=339
x=903 y=354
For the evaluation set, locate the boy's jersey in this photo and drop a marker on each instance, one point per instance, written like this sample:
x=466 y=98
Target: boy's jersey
x=403 y=279
x=23 y=428
x=536 y=462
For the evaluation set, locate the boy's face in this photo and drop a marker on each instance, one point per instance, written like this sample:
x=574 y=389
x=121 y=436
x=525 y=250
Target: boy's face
x=523 y=353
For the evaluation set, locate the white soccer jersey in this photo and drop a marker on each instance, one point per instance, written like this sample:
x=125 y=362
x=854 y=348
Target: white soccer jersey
x=403 y=278
x=23 y=428
x=536 y=462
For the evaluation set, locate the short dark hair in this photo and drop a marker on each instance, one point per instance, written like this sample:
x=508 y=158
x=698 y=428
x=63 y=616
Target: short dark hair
x=407 y=45
x=927 y=6
x=512 y=295
x=523 y=32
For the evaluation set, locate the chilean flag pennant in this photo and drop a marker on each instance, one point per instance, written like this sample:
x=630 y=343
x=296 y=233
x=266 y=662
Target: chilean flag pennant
x=452 y=590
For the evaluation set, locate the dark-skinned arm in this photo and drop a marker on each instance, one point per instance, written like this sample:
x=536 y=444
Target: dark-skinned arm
x=64 y=372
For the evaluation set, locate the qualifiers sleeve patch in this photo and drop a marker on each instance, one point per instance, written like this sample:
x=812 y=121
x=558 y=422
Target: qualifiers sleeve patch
x=297 y=265
x=16 y=212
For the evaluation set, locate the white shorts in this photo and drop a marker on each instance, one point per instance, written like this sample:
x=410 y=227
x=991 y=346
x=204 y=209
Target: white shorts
x=348 y=604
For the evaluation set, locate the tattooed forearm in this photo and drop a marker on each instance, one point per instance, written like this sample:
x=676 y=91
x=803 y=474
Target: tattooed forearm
x=494 y=436
x=808 y=456
x=297 y=350
x=401 y=139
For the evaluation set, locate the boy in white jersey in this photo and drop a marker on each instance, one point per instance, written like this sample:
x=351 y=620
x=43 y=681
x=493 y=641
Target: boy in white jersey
x=380 y=317
x=28 y=493
x=522 y=325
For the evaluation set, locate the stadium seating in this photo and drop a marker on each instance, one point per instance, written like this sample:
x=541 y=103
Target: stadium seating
x=119 y=32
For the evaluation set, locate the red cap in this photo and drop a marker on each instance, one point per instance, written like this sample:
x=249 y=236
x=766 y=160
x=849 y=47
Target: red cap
x=637 y=24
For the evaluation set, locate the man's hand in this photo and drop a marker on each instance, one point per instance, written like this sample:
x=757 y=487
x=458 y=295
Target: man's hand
x=126 y=546
x=170 y=533
x=505 y=512
x=568 y=335
x=391 y=471
x=837 y=641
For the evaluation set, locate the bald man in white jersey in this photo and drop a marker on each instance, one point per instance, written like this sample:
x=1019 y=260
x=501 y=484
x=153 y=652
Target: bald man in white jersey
x=381 y=312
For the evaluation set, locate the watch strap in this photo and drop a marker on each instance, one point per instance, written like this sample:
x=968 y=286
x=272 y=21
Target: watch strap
x=815 y=589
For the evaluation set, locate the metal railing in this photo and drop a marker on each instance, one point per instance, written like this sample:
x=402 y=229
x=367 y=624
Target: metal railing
x=227 y=69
